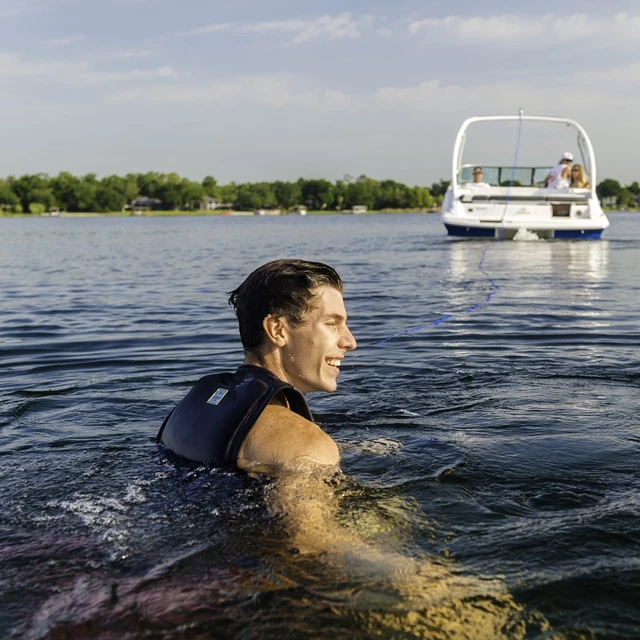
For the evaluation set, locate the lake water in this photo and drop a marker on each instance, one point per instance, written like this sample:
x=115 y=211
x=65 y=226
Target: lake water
x=500 y=446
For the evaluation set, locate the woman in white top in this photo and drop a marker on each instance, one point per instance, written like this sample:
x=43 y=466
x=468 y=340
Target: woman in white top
x=559 y=175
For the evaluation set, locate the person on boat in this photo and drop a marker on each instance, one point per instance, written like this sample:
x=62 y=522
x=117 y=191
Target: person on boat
x=293 y=328
x=578 y=178
x=478 y=181
x=560 y=174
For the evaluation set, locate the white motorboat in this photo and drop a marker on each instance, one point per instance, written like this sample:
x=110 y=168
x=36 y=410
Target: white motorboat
x=515 y=199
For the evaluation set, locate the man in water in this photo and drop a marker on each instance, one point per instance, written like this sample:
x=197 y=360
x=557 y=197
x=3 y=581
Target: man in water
x=293 y=327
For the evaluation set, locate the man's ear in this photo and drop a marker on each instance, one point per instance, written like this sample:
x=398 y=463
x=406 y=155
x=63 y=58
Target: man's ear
x=275 y=328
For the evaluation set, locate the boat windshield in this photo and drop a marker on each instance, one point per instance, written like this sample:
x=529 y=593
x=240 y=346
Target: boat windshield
x=501 y=176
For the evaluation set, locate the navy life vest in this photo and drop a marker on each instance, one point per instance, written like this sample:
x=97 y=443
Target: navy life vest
x=211 y=422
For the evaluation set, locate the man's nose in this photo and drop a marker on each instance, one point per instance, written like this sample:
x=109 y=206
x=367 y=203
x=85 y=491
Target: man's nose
x=348 y=342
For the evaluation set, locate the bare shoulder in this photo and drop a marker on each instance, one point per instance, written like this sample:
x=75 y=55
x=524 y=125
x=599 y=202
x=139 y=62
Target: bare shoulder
x=281 y=439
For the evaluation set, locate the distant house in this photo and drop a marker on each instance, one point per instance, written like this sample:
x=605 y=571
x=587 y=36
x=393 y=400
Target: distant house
x=209 y=204
x=610 y=201
x=144 y=203
x=359 y=208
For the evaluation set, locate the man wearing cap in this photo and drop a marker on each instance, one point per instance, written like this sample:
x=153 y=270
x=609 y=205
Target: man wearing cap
x=559 y=175
x=477 y=179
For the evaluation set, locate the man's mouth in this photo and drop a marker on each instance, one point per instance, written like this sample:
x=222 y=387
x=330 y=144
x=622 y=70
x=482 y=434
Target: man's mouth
x=334 y=362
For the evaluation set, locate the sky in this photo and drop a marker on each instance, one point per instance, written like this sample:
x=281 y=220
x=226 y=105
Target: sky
x=249 y=90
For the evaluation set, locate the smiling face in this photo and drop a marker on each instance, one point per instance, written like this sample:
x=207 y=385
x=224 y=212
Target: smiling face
x=312 y=351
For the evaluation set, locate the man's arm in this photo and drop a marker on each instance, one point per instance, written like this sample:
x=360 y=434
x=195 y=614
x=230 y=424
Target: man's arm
x=282 y=439
x=432 y=595
x=304 y=462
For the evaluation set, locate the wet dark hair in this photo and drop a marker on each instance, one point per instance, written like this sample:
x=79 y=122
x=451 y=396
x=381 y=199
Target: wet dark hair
x=281 y=288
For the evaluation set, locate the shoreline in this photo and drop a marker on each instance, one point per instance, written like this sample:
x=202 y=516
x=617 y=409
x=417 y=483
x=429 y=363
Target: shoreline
x=163 y=213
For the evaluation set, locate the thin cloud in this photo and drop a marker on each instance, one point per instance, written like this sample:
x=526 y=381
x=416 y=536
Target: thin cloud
x=569 y=97
x=615 y=78
x=210 y=28
x=343 y=25
x=9 y=13
x=14 y=66
x=537 y=31
x=96 y=77
x=276 y=91
x=17 y=10
x=132 y=53
x=428 y=93
x=63 y=42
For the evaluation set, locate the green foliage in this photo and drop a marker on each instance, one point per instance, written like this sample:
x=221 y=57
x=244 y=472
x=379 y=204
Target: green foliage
x=438 y=189
x=36 y=208
x=112 y=193
x=255 y=196
x=74 y=194
x=7 y=196
x=33 y=188
x=192 y=193
x=210 y=187
x=609 y=188
x=229 y=192
x=287 y=194
x=316 y=194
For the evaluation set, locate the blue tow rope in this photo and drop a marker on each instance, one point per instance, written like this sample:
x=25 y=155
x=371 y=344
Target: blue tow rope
x=495 y=288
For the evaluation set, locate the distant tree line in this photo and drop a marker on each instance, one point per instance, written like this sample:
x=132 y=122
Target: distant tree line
x=625 y=196
x=38 y=193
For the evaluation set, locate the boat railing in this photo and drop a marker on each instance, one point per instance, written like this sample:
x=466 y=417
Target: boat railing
x=521 y=194
x=578 y=198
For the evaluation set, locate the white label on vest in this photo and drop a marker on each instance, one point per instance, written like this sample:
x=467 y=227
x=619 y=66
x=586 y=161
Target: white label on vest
x=217 y=396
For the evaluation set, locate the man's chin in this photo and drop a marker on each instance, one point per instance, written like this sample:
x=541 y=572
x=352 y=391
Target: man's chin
x=331 y=386
x=325 y=387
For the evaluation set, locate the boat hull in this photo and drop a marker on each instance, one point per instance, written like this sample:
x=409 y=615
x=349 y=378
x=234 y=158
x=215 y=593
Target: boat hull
x=470 y=231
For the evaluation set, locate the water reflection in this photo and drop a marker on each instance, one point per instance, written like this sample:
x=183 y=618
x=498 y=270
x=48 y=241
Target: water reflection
x=575 y=260
x=535 y=270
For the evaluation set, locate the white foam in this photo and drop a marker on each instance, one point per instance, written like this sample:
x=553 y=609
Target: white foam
x=379 y=446
x=524 y=235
